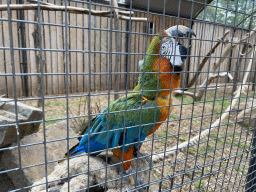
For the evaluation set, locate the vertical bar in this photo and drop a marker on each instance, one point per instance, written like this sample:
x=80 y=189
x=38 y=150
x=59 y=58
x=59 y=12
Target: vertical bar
x=8 y=57
x=143 y=81
x=42 y=90
x=3 y=79
x=90 y=60
x=128 y=29
x=24 y=54
x=67 y=86
x=14 y=91
x=235 y=126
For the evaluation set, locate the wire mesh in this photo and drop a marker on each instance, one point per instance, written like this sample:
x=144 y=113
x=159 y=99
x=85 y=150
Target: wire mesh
x=70 y=67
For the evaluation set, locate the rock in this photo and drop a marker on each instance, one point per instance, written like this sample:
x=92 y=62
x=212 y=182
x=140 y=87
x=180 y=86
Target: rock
x=8 y=134
x=247 y=114
x=97 y=174
x=35 y=154
x=5 y=181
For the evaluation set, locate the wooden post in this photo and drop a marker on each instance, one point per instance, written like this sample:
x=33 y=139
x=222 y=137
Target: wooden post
x=60 y=45
x=117 y=60
x=104 y=48
x=3 y=87
x=245 y=47
x=37 y=59
x=117 y=41
x=73 y=46
x=79 y=36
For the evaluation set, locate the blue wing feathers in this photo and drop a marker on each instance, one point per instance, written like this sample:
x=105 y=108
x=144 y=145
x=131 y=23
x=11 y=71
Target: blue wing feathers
x=97 y=137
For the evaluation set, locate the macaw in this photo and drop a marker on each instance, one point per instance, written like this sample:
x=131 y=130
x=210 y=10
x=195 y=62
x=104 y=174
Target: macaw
x=126 y=123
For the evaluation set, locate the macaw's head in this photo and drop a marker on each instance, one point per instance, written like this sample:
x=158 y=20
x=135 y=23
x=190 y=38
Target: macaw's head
x=171 y=49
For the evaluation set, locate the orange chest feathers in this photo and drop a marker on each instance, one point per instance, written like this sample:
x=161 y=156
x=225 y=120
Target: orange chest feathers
x=164 y=104
x=167 y=79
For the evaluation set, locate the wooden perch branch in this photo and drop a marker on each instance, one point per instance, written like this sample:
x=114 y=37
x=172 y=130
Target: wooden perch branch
x=114 y=7
x=133 y=18
x=118 y=46
x=70 y=9
x=198 y=96
x=50 y=4
x=54 y=8
x=201 y=65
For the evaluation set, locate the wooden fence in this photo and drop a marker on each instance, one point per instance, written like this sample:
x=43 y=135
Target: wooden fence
x=79 y=62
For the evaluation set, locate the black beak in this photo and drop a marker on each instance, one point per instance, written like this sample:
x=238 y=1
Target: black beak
x=176 y=68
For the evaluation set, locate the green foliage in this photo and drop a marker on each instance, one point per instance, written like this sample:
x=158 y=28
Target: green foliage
x=199 y=185
x=205 y=148
x=56 y=103
x=191 y=151
x=223 y=164
x=187 y=173
x=220 y=106
x=154 y=173
x=225 y=103
x=50 y=117
x=226 y=12
x=216 y=137
x=160 y=134
x=183 y=138
x=195 y=120
x=53 y=103
x=237 y=168
x=173 y=116
x=186 y=99
x=240 y=144
x=240 y=168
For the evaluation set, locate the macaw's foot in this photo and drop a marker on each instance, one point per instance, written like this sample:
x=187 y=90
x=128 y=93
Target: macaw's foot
x=133 y=178
x=145 y=156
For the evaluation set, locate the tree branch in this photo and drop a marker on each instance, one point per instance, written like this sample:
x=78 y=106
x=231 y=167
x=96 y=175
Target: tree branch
x=198 y=96
x=201 y=65
x=45 y=3
x=70 y=9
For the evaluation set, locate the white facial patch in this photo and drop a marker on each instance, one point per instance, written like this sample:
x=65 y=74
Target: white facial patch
x=170 y=50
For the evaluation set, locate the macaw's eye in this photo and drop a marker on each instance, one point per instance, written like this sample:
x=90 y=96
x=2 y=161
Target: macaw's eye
x=184 y=51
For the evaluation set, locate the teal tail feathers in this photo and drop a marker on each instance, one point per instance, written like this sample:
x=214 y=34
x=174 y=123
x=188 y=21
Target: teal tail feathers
x=72 y=152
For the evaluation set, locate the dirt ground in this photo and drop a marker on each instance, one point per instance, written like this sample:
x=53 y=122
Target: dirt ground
x=218 y=162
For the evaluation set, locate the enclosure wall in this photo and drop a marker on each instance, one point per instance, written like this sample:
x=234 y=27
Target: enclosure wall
x=133 y=48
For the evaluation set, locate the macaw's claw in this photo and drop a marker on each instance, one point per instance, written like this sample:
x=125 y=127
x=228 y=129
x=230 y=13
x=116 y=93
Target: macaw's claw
x=145 y=156
x=133 y=178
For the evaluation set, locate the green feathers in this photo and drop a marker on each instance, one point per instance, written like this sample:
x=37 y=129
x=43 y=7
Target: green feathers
x=148 y=81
